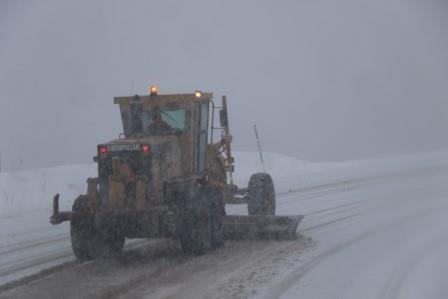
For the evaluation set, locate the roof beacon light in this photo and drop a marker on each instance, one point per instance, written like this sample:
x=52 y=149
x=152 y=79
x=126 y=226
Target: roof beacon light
x=153 y=90
x=198 y=93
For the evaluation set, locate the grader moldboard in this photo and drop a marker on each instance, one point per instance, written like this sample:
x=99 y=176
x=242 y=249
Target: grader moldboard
x=165 y=177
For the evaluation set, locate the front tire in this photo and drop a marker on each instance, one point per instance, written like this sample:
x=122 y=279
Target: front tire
x=217 y=214
x=261 y=195
x=201 y=225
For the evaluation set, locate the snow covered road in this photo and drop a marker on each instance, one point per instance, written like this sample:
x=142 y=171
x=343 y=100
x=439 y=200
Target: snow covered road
x=391 y=243
x=382 y=237
x=373 y=229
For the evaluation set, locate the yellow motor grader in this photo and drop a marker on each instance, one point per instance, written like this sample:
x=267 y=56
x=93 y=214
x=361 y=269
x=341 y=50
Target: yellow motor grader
x=170 y=175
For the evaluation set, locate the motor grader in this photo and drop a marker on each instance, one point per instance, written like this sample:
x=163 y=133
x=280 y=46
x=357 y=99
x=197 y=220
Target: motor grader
x=169 y=174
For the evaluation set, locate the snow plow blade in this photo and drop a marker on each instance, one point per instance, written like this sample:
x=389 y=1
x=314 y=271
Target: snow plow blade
x=261 y=227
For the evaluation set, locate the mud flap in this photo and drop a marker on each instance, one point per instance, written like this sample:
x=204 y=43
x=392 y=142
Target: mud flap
x=261 y=227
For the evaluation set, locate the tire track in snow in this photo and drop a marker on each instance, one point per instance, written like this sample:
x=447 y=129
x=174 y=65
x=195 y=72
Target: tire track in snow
x=334 y=221
x=295 y=276
x=321 y=190
x=331 y=209
x=53 y=262
x=17 y=266
x=397 y=278
x=25 y=245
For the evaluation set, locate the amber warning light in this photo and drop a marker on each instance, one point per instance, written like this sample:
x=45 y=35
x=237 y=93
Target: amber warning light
x=153 y=90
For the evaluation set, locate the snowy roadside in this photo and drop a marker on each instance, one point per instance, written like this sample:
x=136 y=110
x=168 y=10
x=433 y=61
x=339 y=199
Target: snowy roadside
x=291 y=173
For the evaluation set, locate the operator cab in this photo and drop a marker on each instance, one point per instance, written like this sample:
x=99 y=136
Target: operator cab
x=173 y=129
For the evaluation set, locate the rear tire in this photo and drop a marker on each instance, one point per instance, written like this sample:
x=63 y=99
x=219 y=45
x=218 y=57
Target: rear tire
x=261 y=195
x=217 y=214
x=202 y=224
x=87 y=241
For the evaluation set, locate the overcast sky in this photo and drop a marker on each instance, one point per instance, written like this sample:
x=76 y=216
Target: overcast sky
x=323 y=80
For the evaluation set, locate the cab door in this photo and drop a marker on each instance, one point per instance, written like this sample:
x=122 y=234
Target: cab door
x=200 y=136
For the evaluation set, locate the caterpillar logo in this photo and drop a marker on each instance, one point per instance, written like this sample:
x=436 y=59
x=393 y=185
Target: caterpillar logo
x=123 y=147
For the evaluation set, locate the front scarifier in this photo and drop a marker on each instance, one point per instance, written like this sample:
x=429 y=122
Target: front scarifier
x=166 y=177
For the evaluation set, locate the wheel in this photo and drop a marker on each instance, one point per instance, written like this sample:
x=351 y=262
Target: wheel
x=195 y=233
x=201 y=225
x=114 y=242
x=217 y=213
x=82 y=231
x=87 y=241
x=261 y=195
x=110 y=235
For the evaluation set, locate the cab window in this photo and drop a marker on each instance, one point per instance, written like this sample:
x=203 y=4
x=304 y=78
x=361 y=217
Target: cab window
x=164 y=121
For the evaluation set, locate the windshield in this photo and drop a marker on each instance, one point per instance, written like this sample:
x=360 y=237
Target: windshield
x=164 y=121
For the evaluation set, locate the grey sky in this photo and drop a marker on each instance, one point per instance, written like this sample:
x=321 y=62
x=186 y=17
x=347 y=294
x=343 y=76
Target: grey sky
x=324 y=80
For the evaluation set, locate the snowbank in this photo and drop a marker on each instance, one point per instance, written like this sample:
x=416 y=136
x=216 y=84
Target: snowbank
x=25 y=192
x=289 y=172
x=26 y=195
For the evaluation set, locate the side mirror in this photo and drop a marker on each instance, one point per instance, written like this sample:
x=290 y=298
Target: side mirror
x=223 y=118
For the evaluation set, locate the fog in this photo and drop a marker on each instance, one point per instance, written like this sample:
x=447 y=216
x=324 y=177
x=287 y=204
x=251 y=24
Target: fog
x=323 y=80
